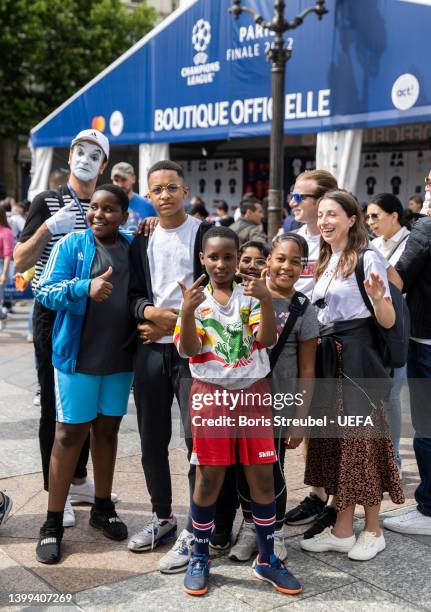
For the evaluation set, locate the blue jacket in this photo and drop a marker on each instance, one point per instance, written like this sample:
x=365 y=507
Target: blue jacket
x=64 y=287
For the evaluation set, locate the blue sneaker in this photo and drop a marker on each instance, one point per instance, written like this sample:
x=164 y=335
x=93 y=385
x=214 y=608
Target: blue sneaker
x=278 y=575
x=197 y=575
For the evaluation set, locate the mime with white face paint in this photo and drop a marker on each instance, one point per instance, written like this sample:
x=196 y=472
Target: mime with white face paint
x=53 y=214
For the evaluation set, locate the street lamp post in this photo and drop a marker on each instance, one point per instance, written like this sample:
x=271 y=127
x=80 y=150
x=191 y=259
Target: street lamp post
x=278 y=55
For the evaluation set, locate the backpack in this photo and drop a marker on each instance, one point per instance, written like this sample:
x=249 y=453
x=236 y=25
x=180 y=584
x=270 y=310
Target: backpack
x=394 y=342
x=297 y=308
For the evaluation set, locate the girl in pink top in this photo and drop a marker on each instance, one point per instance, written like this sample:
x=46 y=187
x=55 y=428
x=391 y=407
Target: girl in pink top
x=6 y=249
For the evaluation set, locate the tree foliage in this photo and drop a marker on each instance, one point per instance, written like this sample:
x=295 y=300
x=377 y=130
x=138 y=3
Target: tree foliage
x=51 y=48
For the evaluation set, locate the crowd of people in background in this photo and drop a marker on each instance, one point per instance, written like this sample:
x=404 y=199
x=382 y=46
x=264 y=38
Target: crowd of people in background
x=201 y=303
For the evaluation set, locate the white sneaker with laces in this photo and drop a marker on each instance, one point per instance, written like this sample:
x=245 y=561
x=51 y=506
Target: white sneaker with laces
x=68 y=514
x=411 y=522
x=367 y=546
x=327 y=541
x=280 y=549
x=155 y=532
x=246 y=543
x=176 y=560
x=84 y=493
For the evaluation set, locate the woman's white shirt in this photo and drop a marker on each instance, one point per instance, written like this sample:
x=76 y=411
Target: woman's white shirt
x=342 y=296
x=386 y=247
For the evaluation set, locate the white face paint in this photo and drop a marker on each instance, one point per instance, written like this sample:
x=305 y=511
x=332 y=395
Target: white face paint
x=86 y=161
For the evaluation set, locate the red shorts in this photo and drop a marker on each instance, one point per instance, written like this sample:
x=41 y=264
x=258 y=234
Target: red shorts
x=231 y=425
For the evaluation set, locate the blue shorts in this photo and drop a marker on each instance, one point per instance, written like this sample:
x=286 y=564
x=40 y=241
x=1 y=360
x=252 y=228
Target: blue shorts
x=79 y=398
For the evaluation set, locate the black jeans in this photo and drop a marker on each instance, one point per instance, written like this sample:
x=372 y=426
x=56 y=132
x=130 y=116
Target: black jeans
x=161 y=374
x=43 y=323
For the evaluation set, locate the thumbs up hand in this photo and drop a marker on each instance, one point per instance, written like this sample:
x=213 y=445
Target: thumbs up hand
x=100 y=287
x=63 y=221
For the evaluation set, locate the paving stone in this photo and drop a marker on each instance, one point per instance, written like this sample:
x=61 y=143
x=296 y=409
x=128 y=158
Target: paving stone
x=313 y=575
x=155 y=592
x=402 y=569
x=354 y=597
x=16 y=579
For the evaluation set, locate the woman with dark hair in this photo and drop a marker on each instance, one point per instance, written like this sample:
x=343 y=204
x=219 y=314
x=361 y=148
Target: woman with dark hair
x=385 y=217
x=356 y=465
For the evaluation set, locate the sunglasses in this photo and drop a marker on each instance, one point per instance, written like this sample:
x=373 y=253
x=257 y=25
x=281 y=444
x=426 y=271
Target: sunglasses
x=372 y=216
x=298 y=197
x=427 y=181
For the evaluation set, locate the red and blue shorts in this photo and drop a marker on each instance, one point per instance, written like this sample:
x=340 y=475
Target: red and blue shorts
x=230 y=425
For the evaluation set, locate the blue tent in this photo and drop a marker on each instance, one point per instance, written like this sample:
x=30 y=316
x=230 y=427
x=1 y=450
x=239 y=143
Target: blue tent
x=201 y=75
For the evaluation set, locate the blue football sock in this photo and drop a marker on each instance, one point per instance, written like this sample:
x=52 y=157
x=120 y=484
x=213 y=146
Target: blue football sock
x=264 y=520
x=203 y=522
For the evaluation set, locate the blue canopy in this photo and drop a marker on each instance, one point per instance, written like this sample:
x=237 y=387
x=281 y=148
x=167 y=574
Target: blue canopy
x=201 y=75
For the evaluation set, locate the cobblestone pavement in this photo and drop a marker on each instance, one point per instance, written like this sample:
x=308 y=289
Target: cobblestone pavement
x=102 y=575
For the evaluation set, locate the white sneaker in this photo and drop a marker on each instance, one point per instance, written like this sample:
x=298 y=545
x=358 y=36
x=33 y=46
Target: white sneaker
x=246 y=543
x=280 y=549
x=68 y=514
x=155 y=532
x=367 y=546
x=177 y=558
x=327 y=541
x=84 y=493
x=413 y=522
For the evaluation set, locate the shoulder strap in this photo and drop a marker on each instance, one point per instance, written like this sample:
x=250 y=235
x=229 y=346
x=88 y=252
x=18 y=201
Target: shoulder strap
x=297 y=308
x=360 y=278
x=399 y=243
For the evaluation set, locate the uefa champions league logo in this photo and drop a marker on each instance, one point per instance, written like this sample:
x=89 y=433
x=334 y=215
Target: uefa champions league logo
x=201 y=38
x=203 y=71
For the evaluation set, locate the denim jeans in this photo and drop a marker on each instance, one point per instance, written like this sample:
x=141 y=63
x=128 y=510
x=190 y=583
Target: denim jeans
x=393 y=410
x=419 y=366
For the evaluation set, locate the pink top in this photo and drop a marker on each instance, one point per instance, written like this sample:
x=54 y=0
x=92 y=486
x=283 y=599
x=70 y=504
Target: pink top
x=6 y=242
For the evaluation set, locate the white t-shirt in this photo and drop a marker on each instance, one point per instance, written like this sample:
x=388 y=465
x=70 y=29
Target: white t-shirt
x=342 y=296
x=386 y=247
x=229 y=356
x=170 y=255
x=306 y=281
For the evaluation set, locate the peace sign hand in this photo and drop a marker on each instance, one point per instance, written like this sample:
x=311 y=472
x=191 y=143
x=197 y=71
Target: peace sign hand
x=193 y=296
x=256 y=287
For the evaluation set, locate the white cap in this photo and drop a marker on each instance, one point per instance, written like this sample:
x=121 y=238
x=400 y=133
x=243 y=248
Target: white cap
x=93 y=136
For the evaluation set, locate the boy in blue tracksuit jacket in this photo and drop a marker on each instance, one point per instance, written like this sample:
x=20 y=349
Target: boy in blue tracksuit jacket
x=86 y=282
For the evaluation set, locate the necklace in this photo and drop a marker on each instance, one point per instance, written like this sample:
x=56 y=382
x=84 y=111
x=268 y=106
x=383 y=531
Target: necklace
x=322 y=303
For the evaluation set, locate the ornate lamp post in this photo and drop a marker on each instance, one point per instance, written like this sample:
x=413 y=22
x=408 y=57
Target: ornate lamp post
x=278 y=55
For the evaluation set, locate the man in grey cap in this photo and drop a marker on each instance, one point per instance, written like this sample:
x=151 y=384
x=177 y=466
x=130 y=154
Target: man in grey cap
x=53 y=214
x=123 y=175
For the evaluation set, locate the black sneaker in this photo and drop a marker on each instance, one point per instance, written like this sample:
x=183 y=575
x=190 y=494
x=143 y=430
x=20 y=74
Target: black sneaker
x=325 y=519
x=48 y=548
x=109 y=523
x=5 y=507
x=220 y=538
x=306 y=511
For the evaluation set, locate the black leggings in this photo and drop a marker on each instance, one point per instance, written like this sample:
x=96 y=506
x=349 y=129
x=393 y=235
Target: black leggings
x=280 y=487
x=43 y=323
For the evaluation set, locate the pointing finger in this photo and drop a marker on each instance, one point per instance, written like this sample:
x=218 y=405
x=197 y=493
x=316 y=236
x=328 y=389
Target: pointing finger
x=198 y=281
